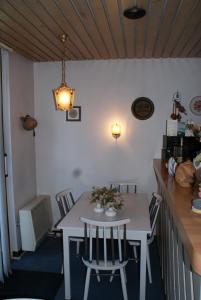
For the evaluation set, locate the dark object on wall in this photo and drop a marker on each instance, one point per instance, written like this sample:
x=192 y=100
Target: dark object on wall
x=191 y=146
x=142 y=108
x=134 y=13
x=74 y=114
x=177 y=107
x=29 y=123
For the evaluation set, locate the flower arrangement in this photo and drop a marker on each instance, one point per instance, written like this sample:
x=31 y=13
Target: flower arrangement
x=107 y=197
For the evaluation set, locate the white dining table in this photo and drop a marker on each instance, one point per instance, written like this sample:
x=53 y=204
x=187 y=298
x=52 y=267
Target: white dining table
x=136 y=208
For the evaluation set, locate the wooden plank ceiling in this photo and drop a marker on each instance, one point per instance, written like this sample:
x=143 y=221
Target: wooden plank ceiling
x=97 y=29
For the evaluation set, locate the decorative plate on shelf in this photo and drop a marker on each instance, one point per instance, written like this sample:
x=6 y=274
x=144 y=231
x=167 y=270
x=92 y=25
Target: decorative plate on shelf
x=142 y=108
x=195 y=105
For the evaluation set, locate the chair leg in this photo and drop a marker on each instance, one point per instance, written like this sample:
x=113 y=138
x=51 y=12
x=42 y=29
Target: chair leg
x=87 y=280
x=149 y=265
x=135 y=253
x=97 y=275
x=123 y=284
x=77 y=247
x=125 y=274
x=112 y=276
x=62 y=269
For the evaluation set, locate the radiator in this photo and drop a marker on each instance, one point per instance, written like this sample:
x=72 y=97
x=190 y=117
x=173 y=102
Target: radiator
x=35 y=221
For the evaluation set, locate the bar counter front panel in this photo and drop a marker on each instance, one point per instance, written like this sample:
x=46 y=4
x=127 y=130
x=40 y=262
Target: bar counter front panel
x=179 y=238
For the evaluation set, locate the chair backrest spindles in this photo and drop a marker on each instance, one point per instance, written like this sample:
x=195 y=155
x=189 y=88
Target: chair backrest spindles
x=85 y=240
x=124 y=187
x=108 y=232
x=119 y=245
x=90 y=243
x=125 y=242
x=65 y=202
x=97 y=246
x=112 y=245
x=154 y=210
x=105 y=245
x=152 y=203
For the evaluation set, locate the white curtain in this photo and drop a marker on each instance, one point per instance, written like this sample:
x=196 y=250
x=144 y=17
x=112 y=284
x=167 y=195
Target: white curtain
x=5 y=266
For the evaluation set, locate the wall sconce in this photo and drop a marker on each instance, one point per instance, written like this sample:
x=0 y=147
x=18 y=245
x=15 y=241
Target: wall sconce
x=116 y=130
x=63 y=95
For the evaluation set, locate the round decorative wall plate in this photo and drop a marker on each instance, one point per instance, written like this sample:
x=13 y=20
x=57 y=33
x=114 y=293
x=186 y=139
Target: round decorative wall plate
x=195 y=105
x=142 y=108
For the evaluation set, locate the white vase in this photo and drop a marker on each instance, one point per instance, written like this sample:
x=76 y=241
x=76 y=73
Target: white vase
x=110 y=212
x=98 y=208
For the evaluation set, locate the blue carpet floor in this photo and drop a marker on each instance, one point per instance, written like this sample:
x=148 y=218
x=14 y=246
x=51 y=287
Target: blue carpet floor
x=48 y=258
x=31 y=284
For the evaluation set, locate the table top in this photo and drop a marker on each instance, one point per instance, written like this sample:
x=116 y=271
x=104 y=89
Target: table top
x=136 y=208
x=179 y=200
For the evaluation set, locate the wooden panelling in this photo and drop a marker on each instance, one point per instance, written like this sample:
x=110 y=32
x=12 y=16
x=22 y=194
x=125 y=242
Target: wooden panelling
x=155 y=15
x=97 y=29
x=180 y=22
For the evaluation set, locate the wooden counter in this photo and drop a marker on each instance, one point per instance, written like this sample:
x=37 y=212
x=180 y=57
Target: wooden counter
x=188 y=223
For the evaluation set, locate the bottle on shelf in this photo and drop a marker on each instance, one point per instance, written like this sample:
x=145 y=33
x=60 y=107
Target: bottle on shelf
x=180 y=152
x=173 y=116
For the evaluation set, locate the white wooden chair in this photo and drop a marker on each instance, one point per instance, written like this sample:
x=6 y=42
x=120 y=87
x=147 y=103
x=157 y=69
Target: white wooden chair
x=154 y=207
x=124 y=186
x=65 y=202
x=100 y=246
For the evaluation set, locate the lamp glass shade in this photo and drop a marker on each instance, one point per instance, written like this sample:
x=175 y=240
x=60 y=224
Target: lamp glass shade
x=116 y=130
x=64 y=97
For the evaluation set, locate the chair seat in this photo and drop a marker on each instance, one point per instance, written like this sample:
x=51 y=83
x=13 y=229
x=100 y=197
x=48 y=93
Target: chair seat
x=101 y=266
x=76 y=239
x=134 y=243
x=137 y=243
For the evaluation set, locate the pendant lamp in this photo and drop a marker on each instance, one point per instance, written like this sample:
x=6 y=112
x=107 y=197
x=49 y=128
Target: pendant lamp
x=64 y=95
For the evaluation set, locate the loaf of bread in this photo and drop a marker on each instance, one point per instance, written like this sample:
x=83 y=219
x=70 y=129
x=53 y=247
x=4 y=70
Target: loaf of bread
x=185 y=174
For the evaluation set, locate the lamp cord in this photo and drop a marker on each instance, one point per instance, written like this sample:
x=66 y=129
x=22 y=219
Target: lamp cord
x=63 y=40
x=63 y=71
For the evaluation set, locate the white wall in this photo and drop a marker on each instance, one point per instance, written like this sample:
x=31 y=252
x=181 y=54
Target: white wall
x=23 y=144
x=83 y=154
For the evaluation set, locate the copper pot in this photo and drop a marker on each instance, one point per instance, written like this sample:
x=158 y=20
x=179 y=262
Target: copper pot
x=28 y=122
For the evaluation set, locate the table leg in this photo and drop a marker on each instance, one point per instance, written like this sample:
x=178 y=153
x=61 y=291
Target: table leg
x=66 y=254
x=143 y=258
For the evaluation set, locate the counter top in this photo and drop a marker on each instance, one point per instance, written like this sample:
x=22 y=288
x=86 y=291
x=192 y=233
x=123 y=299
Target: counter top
x=188 y=223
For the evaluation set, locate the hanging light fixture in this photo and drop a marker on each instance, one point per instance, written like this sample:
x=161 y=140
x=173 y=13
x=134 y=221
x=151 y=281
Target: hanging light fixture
x=63 y=95
x=134 y=13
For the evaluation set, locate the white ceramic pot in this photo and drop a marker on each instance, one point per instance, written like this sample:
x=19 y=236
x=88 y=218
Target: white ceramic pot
x=110 y=212
x=98 y=208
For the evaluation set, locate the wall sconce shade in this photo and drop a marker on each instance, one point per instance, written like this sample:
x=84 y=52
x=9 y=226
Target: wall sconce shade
x=63 y=95
x=116 y=130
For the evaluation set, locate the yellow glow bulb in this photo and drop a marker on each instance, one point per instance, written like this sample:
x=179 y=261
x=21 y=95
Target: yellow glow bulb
x=64 y=96
x=116 y=130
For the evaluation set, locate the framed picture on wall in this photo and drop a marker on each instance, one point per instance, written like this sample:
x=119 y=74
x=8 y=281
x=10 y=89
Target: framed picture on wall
x=74 y=114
